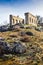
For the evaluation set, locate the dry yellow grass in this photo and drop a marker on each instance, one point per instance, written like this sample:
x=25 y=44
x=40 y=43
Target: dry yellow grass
x=36 y=39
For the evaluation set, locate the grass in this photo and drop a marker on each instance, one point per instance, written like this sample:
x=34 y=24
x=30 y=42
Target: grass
x=37 y=39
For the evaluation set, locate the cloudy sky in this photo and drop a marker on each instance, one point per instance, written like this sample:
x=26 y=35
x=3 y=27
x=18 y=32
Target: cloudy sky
x=19 y=7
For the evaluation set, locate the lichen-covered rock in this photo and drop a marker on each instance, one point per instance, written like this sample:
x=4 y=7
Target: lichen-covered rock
x=18 y=48
x=4 y=48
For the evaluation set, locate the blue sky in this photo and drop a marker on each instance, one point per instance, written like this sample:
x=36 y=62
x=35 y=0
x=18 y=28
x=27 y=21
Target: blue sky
x=19 y=7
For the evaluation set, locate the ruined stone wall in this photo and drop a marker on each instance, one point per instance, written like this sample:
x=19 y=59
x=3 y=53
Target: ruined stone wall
x=15 y=19
x=30 y=19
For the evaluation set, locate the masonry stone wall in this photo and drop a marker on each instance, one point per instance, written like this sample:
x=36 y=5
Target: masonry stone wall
x=30 y=19
x=15 y=19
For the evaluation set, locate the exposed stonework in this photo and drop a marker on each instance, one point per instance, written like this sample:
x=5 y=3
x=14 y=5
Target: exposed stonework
x=30 y=19
x=15 y=19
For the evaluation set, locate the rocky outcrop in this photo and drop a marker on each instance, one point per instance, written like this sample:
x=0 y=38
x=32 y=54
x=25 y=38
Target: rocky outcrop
x=18 y=48
x=4 y=48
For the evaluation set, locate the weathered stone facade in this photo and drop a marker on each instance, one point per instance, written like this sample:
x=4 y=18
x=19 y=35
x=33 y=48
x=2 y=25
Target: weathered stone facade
x=15 y=19
x=30 y=19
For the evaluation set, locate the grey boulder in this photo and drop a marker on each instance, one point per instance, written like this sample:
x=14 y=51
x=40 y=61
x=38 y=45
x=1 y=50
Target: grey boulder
x=18 y=48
